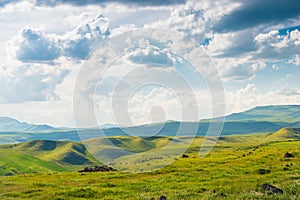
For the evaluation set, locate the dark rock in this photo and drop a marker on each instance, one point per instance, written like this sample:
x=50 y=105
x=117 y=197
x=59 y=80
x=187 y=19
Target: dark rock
x=288 y=155
x=271 y=188
x=103 y=168
x=162 y=198
x=185 y=156
x=263 y=171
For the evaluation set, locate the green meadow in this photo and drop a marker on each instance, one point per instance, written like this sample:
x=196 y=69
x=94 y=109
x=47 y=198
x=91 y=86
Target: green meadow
x=235 y=169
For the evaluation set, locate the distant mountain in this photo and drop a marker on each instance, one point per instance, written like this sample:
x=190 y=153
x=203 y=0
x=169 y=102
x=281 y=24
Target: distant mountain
x=9 y=124
x=261 y=119
x=108 y=125
x=280 y=113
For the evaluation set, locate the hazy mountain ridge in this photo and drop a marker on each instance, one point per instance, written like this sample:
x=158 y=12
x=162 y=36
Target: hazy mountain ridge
x=279 y=113
x=8 y=124
x=257 y=120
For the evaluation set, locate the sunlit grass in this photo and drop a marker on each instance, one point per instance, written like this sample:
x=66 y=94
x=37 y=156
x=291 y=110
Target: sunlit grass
x=230 y=171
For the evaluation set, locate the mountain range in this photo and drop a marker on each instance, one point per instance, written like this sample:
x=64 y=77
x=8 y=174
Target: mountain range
x=260 y=119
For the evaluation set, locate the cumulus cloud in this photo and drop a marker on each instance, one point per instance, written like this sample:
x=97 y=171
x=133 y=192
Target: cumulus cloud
x=195 y=19
x=254 y=13
x=30 y=82
x=239 y=69
x=250 y=96
x=236 y=52
x=151 y=55
x=85 y=37
x=33 y=45
x=233 y=44
x=274 y=46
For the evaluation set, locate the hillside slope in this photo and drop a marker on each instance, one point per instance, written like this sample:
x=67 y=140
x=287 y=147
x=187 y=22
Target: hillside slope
x=285 y=134
x=44 y=155
x=14 y=162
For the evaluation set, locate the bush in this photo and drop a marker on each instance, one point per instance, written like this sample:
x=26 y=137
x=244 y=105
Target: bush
x=263 y=171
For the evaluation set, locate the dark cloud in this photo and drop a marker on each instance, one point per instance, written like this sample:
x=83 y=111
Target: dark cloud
x=256 y=12
x=100 y=2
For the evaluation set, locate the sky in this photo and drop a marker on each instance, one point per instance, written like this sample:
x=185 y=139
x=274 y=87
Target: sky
x=253 y=46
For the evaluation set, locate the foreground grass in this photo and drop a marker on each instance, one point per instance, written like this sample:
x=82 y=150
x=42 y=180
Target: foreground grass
x=230 y=171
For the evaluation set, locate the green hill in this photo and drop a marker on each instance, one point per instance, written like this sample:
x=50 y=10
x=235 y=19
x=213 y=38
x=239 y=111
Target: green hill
x=67 y=154
x=44 y=155
x=285 y=133
x=14 y=162
x=235 y=169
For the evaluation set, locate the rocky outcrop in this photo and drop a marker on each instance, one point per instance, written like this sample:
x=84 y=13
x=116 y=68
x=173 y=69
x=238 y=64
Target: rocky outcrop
x=103 y=168
x=271 y=188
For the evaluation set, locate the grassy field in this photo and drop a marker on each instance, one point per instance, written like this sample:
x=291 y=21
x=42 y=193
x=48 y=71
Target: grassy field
x=235 y=169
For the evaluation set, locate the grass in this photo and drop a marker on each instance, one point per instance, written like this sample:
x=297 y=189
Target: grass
x=44 y=156
x=236 y=166
x=13 y=163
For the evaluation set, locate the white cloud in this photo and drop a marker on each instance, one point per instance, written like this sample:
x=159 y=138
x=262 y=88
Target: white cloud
x=152 y=55
x=274 y=46
x=56 y=113
x=60 y=38
x=30 y=82
x=86 y=36
x=34 y=45
x=250 y=96
x=295 y=60
x=238 y=69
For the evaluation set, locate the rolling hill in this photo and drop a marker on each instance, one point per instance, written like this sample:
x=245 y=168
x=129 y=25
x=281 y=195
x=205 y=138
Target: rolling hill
x=285 y=133
x=44 y=156
x=235 y=169
x=128 y=152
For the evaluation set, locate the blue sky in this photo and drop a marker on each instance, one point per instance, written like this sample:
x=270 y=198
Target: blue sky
x=255 y=46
